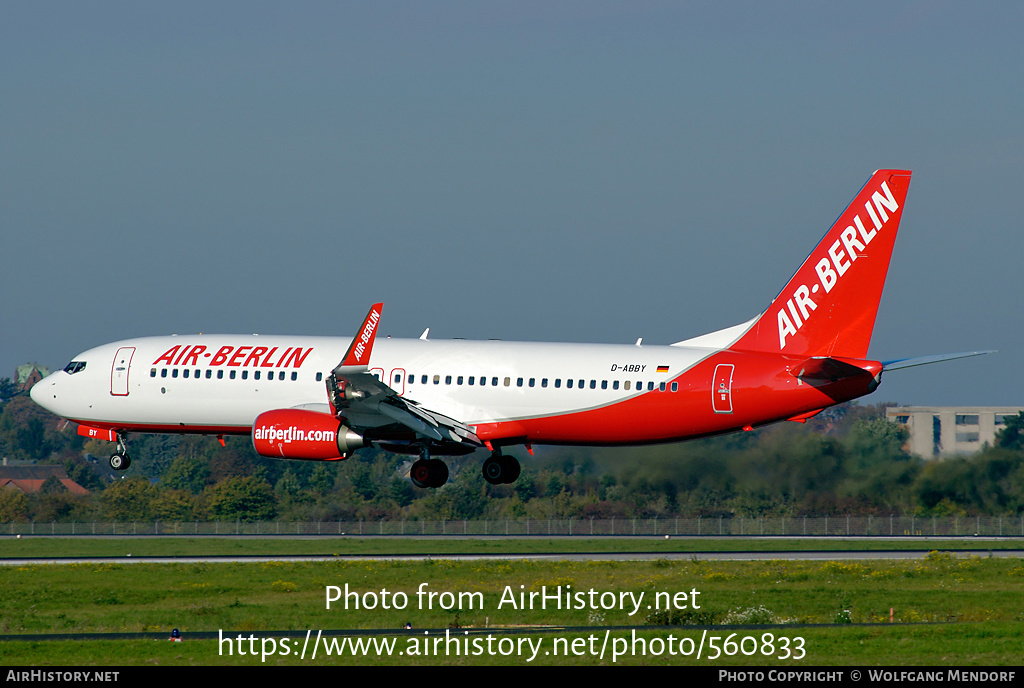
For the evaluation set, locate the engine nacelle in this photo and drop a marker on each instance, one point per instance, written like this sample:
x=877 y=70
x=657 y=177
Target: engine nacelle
x=302 y=434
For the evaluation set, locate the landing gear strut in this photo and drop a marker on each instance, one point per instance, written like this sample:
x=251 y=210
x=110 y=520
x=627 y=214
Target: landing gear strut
x=428 y=472
x=499 y=469
x=119 y=460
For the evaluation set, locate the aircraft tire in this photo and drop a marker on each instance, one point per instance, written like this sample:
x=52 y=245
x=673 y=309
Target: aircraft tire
x=120 y=462
x=510 y=469
x=439 y=473
x=494 y=470
x=420 y=473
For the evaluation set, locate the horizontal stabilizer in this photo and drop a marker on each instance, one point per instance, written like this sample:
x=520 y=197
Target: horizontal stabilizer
x=924 y=360
x=819 y=370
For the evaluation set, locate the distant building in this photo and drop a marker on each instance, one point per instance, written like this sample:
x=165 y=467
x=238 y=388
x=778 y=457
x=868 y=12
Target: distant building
x=29 y=479
x=29 y=374
x=937 y=431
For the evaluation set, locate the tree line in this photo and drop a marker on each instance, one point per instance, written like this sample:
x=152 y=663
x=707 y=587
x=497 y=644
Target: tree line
x=848 y=460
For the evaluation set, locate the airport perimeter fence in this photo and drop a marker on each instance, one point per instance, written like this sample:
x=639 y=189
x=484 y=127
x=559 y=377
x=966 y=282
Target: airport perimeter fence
x=825 y=526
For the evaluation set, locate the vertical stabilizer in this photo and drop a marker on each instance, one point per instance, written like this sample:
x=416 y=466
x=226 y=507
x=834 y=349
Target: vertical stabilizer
x=829 y=306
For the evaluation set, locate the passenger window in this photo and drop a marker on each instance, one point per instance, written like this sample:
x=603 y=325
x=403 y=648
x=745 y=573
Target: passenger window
x=319 y=377
x=174 y=373
x=184 y=373
x=412 y=379
x=423 y=379
x=568 y=383
x=256 y=375
x=675 y=386
x=604 y=384
x=494 y=382
x=508 y=381
x=398 y=378
x=582 y=384
x=544 y=382
x=220 y=374
x=163 y=372
x=593 y=384
x=458 y=380
x=615 y=385
x=295 y=376
x=209 y=374
x=245 y=374
x=625 y=385
x=519 y=382
x=447 y=379
x=471 y=379
x=152 y=372
x=661 y=387
x=437 y=379
x=233 y=374
x=558 y=382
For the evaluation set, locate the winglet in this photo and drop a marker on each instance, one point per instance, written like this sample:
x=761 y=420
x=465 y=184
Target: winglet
x=358 y=354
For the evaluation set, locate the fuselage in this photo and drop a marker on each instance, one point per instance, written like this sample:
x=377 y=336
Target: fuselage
x=507 y=392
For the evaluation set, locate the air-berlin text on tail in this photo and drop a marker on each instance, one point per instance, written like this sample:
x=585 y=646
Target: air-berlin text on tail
x=841 y=255
x=242 y=356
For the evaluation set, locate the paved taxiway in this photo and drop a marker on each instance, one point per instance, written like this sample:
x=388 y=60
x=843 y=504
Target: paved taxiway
x=830 y=555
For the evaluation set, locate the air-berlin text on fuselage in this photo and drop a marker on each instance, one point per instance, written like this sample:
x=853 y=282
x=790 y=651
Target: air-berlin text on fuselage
x=242 y=356
x=840 y=256
x=292 y=434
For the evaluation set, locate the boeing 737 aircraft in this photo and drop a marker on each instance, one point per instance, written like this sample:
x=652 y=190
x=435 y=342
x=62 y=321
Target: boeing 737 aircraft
x=432 y=398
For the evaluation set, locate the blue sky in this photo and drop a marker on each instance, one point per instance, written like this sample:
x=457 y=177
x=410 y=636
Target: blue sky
x=573 y=171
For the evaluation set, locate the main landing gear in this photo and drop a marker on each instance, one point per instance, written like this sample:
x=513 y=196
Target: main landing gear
x=499 y=469
x=428 y=472
x=119 y=460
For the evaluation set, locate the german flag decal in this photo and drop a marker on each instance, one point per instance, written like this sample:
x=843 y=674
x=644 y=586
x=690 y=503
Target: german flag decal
x=662 y=369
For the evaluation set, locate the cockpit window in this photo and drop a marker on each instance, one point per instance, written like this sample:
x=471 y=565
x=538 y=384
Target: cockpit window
x=74 y=367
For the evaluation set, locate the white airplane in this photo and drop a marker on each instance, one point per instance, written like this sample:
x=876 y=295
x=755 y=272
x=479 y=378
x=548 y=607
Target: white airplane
x=421 y=396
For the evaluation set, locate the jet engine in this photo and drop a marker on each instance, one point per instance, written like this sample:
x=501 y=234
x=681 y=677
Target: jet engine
x=303 y=434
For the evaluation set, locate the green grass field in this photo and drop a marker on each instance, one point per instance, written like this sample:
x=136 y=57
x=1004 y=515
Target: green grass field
x=948 y=608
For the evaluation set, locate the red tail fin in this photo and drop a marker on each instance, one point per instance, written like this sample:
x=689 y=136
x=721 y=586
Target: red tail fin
x=829 y=306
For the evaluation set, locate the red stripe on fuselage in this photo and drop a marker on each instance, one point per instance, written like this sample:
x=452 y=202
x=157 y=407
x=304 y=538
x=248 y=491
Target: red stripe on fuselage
x=172 y=429
x=763 y=391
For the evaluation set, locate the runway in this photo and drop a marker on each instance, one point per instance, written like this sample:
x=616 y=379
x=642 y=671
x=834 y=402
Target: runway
x=822 y=555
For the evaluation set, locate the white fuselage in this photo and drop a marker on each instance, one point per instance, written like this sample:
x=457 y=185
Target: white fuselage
x=221 y=383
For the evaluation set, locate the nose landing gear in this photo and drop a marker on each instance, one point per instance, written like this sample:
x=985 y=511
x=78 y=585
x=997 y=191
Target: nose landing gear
x=119 y=460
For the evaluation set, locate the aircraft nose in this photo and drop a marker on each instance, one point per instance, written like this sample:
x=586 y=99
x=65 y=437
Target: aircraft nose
x=41 y=392
x=34 y=393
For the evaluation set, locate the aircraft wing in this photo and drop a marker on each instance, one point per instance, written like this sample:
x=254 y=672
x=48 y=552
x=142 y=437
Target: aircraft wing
x=367 y=402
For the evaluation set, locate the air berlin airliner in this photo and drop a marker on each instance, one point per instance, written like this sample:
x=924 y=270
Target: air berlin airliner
x=432 y=398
